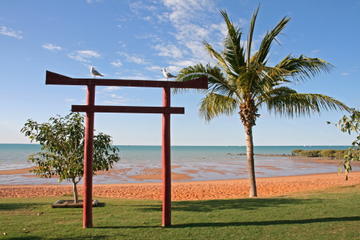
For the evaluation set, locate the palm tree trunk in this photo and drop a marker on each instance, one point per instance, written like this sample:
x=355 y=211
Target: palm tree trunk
x=250 y=160
x=75 y=192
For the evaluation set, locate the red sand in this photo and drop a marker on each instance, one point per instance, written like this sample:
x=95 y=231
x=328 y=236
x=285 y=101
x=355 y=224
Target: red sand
x=267 y=187
x=15 y=171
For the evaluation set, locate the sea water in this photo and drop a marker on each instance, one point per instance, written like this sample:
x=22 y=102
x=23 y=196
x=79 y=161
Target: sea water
x=198 y=162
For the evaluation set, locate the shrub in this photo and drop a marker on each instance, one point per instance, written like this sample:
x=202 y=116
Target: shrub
x=340 y=154
x=312 y=153
x=328 y=153
x=297 y=152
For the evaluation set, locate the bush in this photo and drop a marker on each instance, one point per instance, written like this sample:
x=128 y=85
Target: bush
x=312 y=153
x=328 y=153
x=340 y=154
x=325 y=153
x=297 y=152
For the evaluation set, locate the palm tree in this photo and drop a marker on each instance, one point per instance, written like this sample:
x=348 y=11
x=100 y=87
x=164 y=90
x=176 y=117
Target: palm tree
x=244 y=81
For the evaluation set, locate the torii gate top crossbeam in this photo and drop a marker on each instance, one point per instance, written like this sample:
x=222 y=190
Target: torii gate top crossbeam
x=58 y=79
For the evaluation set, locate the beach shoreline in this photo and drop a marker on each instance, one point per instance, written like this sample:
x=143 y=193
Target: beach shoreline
x=193 y=190
x=141 y=173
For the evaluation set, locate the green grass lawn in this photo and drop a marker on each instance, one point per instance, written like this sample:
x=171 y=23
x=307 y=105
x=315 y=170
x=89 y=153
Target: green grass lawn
x=334 y=214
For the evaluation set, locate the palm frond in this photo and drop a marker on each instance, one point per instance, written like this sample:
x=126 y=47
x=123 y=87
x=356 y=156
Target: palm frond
x=213 y=105
x=250 y=36
x=261 y=55
x=217 y=80
x=258 y=80
x=302 y=67
x=220 y=60
x=233 y=51
x=286 y=101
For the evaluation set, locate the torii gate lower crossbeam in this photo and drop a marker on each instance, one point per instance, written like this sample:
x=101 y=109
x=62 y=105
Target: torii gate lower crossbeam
x=90 y=108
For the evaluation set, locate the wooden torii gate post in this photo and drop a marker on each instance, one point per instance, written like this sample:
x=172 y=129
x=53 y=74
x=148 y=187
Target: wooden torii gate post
x=90 y=108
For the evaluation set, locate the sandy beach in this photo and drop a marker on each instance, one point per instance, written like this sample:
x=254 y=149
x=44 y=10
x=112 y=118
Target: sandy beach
x=185 y=185
x=224 y=189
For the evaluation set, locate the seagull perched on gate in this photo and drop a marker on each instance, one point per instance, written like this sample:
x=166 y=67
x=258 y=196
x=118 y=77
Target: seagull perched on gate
x=166 y=74
x=95 y=72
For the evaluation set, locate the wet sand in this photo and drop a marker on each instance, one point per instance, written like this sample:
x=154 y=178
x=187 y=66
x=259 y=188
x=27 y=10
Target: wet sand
x=15 y=171
x=224 y=189
x=145 y=174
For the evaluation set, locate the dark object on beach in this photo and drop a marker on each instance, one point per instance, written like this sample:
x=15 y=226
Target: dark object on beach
x=72 y=204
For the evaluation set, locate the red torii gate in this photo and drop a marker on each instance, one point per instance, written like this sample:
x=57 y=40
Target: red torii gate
x=90 y=108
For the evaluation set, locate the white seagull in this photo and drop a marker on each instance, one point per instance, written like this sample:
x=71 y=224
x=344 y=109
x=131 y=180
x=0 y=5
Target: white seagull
x=166 y=74
x=95 y=72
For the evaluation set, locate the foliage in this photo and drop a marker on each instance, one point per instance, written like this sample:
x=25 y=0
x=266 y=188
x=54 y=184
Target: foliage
x=328 y=153
x=320 y=216
x=296 y=152
x=351 y=124
x=325 y=153
x=245 y=82
x=62 y=145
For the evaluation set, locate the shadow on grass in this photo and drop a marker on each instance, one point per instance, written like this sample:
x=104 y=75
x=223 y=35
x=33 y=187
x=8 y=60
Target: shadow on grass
x=17 y=206
x=254 y=223
x=62 y=238
x=243 y=204
x=127 y=227
x=83 y=238
x=267 y=223
x=25 y=238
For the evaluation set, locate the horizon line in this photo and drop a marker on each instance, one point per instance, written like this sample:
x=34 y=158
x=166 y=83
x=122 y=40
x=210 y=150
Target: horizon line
x=149 y=145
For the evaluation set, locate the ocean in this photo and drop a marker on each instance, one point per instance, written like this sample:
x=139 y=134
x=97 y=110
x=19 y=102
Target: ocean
x=197 y=162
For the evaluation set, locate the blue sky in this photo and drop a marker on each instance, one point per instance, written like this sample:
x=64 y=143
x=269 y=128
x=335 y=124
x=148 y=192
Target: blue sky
x=134 y=39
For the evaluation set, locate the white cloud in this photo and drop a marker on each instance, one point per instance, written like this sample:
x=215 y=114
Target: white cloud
x=89 y=53
x=221 y=27
x=136 y=6
x=147 y=18
x=111 y=89
x=173 y=68
x=169 y=50
x=115 y=99
x=197 y=48
x=193 y=22
x=183 y=63
x=153 y=68
x=122 y=44
x=150 y=36
x=51 y=47
x=192 y=31
x=137 y=76
x=93 y=1
x=116 y=63
x=181 y=10
x=345 y=74
x=84 y=55
x=133 y=58
x=10 y=32
x=315 y=51
x=70 y=99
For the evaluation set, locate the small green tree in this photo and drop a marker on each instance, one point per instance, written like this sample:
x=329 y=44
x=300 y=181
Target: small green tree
x=351 y=124
x=62 y=145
